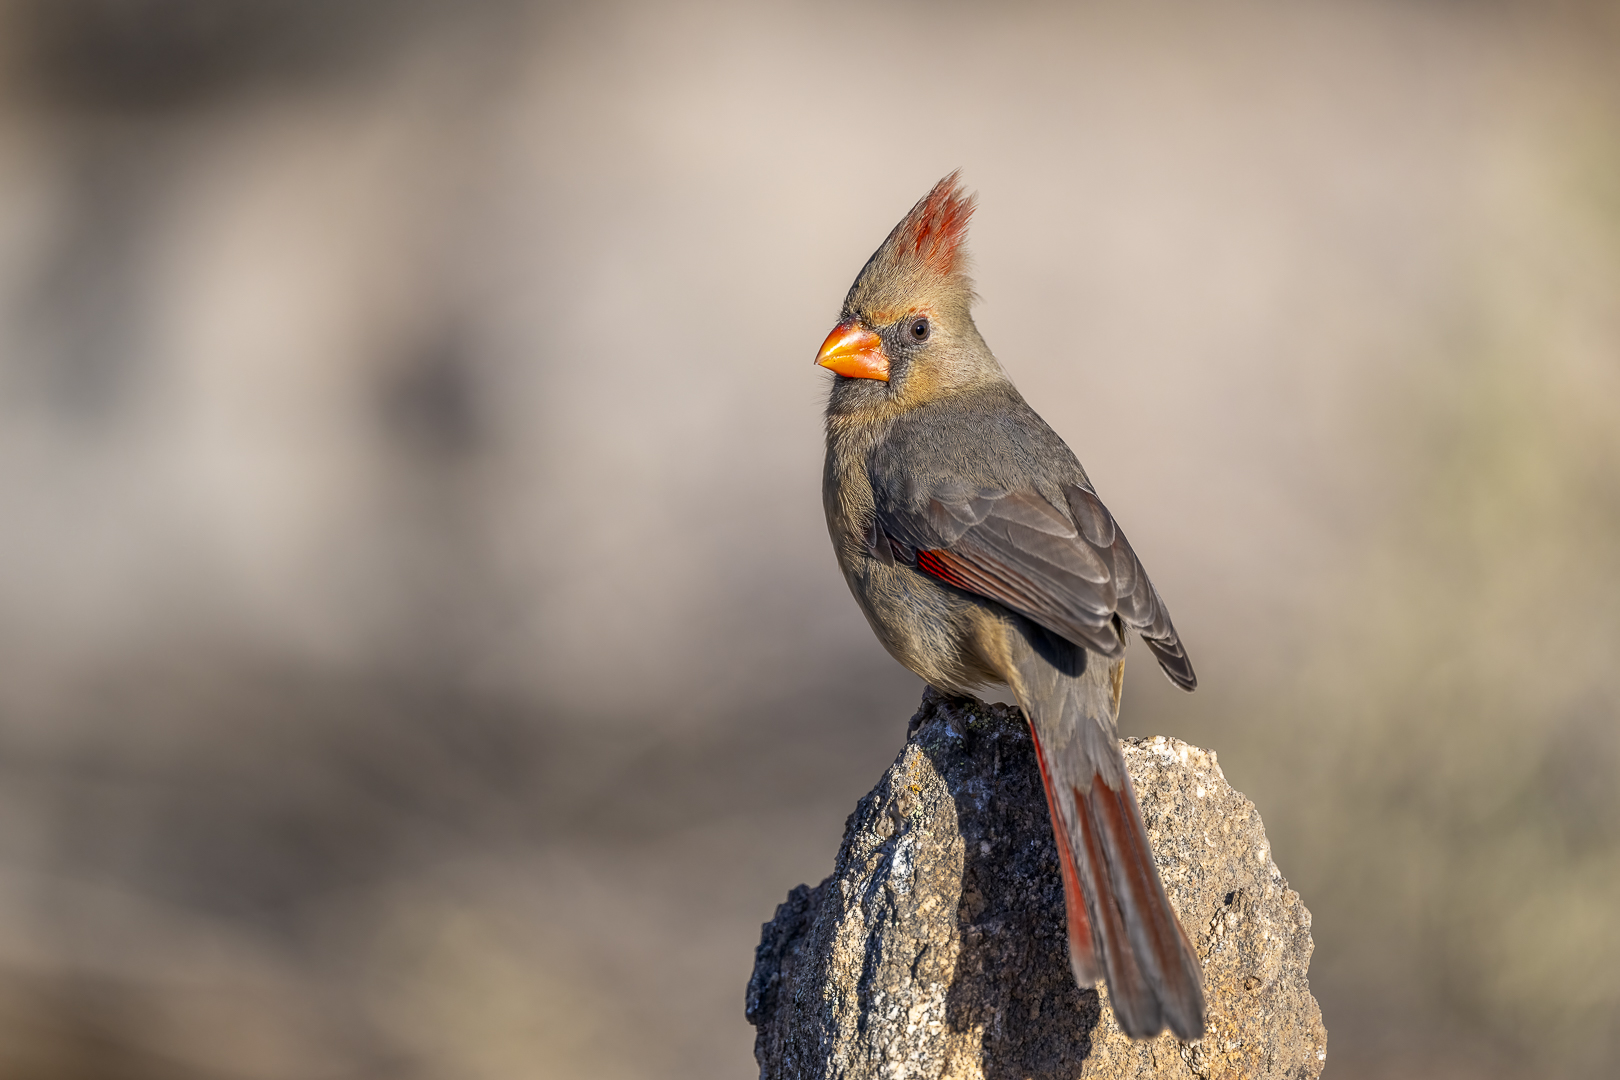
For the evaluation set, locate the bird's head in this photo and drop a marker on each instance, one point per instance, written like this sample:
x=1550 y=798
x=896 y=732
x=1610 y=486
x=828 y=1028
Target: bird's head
x=906 y=334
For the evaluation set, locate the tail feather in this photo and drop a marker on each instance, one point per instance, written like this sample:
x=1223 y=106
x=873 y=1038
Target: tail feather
x=1154 y=980
x=1082 y=953
x=1120 y=922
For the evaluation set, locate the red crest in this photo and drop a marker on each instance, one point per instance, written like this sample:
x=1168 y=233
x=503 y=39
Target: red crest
x=936 y=227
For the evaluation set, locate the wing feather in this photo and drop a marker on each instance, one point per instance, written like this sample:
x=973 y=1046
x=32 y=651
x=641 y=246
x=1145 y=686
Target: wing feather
x=1072 y=573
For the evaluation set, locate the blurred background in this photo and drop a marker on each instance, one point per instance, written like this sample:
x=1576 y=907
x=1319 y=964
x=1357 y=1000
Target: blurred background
x=421 y=655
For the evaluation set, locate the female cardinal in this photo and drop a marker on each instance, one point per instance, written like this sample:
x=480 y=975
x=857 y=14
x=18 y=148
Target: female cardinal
x=980 y=553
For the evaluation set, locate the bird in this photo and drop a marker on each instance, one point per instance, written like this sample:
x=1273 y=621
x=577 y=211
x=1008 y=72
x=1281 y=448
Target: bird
x=977 y=548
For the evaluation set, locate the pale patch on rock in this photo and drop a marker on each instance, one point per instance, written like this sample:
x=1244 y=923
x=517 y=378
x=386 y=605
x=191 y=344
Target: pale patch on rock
x=936 y=950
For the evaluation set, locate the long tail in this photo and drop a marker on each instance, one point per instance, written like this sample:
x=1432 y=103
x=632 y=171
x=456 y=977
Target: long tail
x=1121 y=925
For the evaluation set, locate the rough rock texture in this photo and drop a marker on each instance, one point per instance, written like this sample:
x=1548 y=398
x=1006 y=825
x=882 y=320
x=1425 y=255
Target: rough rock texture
x=936 y=947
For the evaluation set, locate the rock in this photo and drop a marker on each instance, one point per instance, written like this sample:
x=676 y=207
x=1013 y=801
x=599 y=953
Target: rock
x=936 y=948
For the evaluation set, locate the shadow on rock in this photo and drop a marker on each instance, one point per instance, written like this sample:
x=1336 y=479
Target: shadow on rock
x=1010 y=916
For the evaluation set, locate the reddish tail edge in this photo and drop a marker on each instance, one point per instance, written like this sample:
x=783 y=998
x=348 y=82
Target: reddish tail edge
x=1111 y=888
x=1153 y=976
x=1135 y=1004
x=1082 y=948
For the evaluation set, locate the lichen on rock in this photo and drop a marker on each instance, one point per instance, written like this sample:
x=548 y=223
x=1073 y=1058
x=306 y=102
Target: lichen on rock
x=936 y=949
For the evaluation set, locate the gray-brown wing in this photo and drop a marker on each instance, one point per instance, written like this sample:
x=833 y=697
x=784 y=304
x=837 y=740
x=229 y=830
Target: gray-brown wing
x=1070 y=576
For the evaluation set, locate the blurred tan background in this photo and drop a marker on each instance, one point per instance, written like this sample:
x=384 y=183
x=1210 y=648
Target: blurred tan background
x=420 y=652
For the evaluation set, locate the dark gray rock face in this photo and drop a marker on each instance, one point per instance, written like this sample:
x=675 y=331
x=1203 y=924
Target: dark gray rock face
x=936 y=948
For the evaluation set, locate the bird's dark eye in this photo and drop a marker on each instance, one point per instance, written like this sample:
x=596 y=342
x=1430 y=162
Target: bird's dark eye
x=919 y=329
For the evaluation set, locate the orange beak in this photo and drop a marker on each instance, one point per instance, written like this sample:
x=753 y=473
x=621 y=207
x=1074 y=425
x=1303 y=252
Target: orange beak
x=854 y=352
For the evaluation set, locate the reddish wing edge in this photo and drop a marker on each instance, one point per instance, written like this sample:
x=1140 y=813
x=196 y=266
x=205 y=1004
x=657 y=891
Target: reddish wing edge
x=1007 y=586
x=948 y=568
x=984 y=571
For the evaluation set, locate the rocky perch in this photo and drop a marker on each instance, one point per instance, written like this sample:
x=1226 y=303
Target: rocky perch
x=936 y=948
